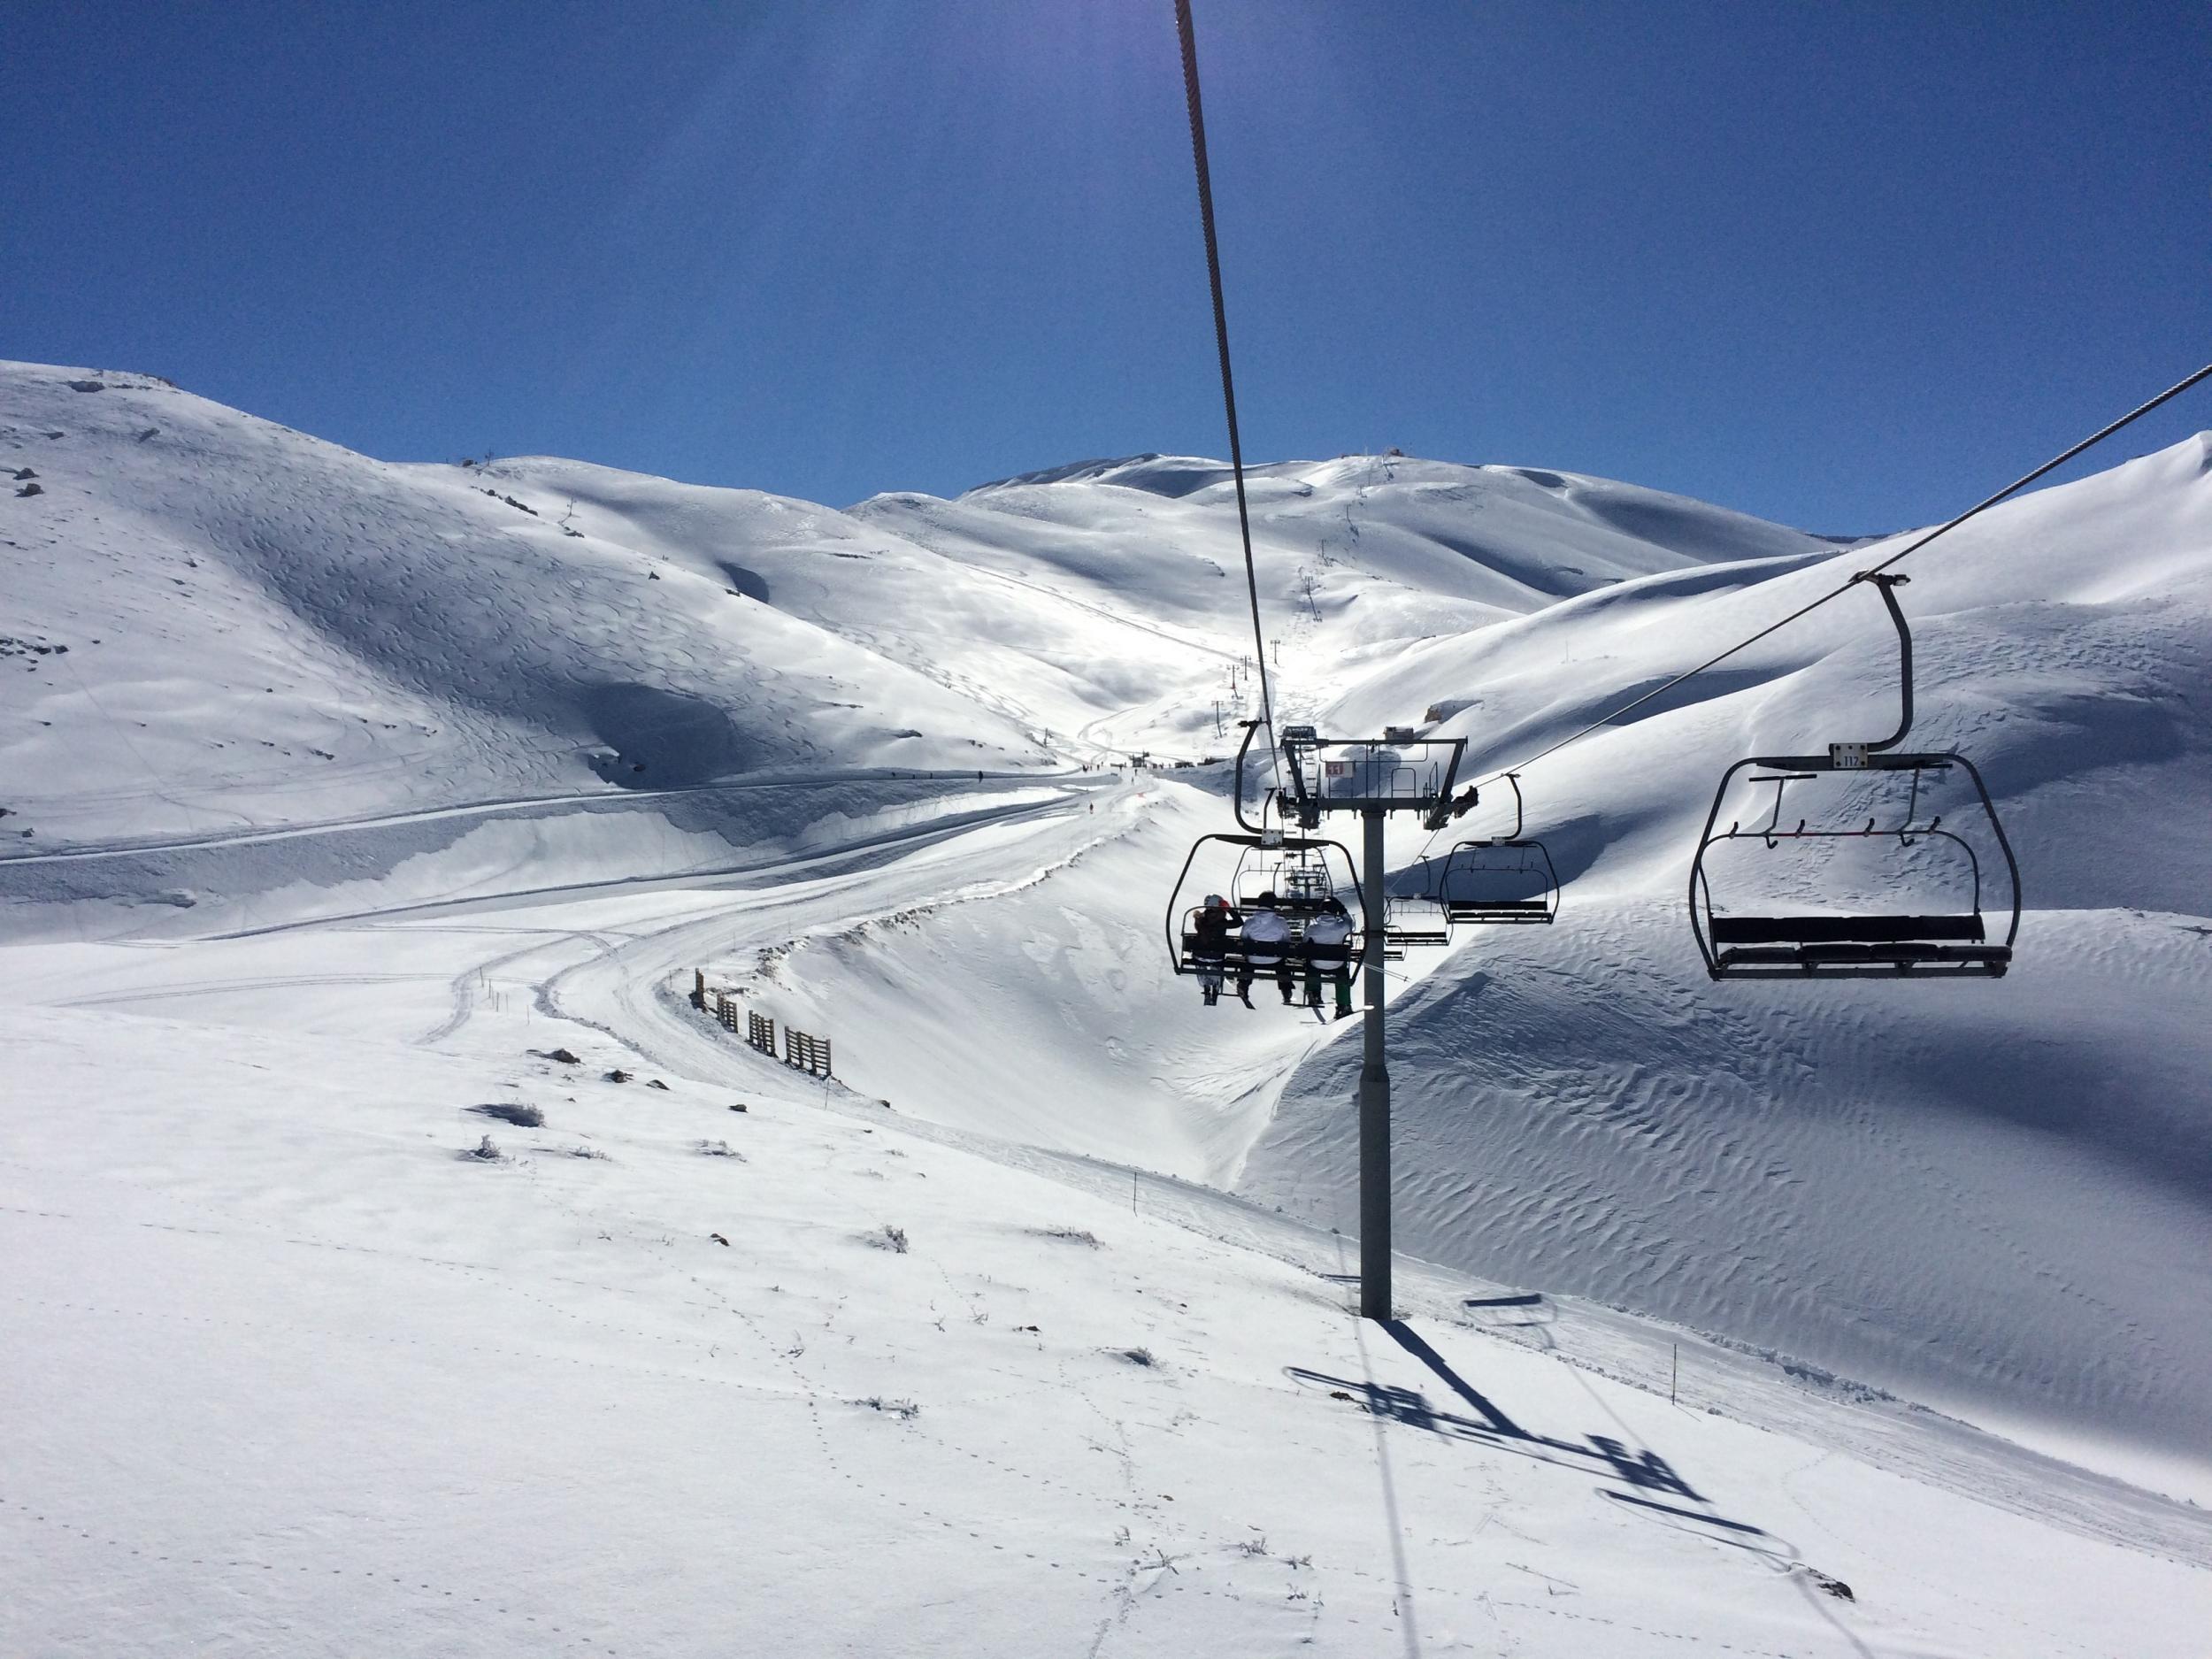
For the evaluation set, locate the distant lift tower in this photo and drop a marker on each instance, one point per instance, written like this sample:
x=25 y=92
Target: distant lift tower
x=1373 y=777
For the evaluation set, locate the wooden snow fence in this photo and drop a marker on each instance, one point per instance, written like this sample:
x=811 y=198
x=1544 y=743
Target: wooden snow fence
x=801 y=1051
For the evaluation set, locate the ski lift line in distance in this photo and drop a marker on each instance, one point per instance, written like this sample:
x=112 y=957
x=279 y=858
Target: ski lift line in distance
x=2010 y=491
x=1297 y=874
x=1187 y=38
x=1893 y=941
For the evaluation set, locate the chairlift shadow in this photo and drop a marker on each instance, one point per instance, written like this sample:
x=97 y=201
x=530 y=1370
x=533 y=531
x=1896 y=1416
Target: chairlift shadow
x=1656 y=1489
x=1510 y=1313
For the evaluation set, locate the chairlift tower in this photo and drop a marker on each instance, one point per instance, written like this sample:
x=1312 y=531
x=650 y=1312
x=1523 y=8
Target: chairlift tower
x=1372 y=777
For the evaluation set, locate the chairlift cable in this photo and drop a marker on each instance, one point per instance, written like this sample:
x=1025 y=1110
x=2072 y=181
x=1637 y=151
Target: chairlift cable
x=1221 y=339
x=2013 y=488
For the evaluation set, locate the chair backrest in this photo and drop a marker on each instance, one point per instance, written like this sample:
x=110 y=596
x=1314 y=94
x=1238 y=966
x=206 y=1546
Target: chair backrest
x=1843 y=930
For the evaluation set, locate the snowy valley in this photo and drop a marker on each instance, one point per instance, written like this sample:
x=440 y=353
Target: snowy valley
x=399 y=1261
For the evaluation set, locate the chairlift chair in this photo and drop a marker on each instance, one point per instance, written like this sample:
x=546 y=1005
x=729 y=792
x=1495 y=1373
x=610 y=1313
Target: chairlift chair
x=1899 y=940
x=1182 y=920
x=1296 y=871
x=1264 y=852
x=1416 y=918
x=1507 y=880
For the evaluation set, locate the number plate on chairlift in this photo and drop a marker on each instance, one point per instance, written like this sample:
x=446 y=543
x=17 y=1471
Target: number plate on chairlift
x=1848 y=757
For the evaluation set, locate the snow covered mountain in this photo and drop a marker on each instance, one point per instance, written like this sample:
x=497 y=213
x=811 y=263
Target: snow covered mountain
x=264 y=628
x=358 y=811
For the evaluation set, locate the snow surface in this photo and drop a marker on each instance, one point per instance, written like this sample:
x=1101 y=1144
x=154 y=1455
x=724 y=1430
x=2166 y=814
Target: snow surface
x=1030 y=1334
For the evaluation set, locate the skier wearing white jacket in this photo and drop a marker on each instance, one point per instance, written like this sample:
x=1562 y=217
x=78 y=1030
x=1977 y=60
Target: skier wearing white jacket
x=1267 y=946
x=1329 y=952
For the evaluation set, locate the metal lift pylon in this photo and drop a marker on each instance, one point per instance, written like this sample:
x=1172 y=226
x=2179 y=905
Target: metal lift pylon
x=1374 y=778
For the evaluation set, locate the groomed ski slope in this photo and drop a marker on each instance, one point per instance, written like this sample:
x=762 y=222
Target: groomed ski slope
x=343 y=1389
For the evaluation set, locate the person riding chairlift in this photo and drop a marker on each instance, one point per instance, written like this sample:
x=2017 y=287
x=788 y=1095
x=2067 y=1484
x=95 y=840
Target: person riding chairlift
x=1329 y=953
x=1211 y=945
x=1267 y=949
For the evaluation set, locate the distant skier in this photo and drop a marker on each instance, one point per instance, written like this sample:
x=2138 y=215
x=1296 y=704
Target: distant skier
x=1329 y=954
x=1210 y=947
x=1267 y=947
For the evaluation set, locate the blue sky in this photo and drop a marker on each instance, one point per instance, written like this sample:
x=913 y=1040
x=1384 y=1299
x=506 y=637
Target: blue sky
x=1845 y=265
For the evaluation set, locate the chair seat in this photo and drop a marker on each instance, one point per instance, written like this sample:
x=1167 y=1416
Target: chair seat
x=1498 y=910
x=1904 y=958
x=1234 y=953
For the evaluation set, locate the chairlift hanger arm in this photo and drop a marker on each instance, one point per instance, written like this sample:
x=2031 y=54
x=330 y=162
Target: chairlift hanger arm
x=1887 y=585
x=1244 y=748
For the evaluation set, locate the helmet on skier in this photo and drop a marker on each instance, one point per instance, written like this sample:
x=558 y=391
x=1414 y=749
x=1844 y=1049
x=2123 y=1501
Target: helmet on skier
x=1215 y=902
x=1268 y=897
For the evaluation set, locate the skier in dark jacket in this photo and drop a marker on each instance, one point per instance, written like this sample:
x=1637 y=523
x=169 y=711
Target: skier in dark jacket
x=1210 y=932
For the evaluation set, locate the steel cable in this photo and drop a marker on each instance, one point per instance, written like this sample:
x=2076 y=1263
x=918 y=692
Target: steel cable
x=1221 y=339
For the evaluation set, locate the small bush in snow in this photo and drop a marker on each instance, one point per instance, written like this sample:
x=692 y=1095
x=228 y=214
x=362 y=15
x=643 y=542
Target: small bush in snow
x=892 y=1238
x=718 y=1149
x=1071 y=1235
x=905 y=1410
x=1137 y=1356
x=585 y=1152
x=485 y=1151
x=515 y=1112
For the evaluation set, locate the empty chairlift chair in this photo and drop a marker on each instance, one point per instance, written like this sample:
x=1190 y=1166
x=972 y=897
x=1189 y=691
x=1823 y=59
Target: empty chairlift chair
x=1507 y=880
x=1416 y=918
x=1296 y=871
x=1928 y=875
